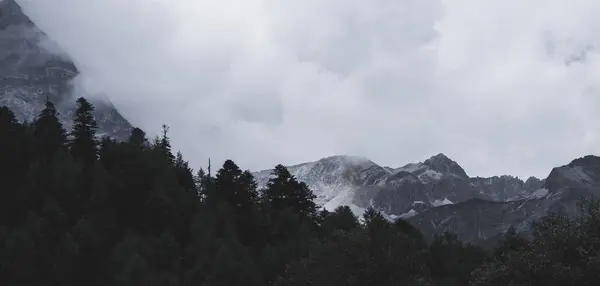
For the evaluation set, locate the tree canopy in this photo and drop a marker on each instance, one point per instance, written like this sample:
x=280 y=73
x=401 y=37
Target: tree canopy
x=76 y=209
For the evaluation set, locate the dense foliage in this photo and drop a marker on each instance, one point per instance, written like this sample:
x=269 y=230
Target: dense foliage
x=75 y=210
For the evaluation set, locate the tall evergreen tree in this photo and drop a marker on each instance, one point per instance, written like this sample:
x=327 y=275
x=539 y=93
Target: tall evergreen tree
x=232 y=187
x=84 y=146
x=138 y=138
x=342 y=218
x=184 y=173
x=201 y=181
x=13 y=164
x=284 y=191
x=49 y=135
x=375 y=222
x=237 y=190
x=163 y=145
x=10 y=130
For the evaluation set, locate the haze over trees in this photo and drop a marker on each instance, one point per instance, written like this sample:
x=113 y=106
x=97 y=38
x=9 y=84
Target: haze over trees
x=79 y=210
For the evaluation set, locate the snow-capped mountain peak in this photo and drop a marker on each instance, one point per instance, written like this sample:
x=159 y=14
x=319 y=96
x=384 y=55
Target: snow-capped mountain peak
x=334 y=179
x=360 y=183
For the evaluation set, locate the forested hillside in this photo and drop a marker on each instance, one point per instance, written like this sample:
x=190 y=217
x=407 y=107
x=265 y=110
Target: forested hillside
x=78 y=210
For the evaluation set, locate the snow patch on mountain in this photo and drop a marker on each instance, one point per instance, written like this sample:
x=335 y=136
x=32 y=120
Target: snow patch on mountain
x=334 y=180
x=405 y=215
x=443 y=202
x=341 y=197
x=430 y=175
x=401 y=192
x=410 y=167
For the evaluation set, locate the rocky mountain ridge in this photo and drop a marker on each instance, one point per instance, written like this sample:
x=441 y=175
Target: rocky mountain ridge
x=401 y=192
x=437 y=195
x=33 y=69
x=478 y=220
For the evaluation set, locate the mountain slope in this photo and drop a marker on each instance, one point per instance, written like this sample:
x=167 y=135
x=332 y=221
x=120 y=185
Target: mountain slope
x=400 y=192
x=477 y=220
x=506 y=188
x=335 y=179
x=437 y=195
x=33 y=69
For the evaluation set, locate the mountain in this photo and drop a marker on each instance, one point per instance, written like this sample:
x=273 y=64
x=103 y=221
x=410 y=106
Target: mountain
x=477 y=220
x=506 y=188
x=400 y=192
x=437 y=195
x=335 y=179
x=34 y=69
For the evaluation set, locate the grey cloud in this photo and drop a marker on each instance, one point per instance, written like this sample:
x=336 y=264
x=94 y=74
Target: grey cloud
x=266 y=82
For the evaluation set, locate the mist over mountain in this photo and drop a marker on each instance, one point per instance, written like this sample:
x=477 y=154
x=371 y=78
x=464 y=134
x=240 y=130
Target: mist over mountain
x=394 y=82
x=439 y=180
x=33 y=70
x=279 y=81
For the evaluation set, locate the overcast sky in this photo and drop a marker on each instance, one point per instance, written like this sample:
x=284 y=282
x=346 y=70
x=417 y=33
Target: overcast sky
x=501 y=87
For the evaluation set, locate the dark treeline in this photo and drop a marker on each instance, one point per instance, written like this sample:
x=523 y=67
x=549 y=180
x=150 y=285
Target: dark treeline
x=75 y=210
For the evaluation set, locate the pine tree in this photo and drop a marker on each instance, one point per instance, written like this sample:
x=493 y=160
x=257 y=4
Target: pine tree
x=138 y=138
x=83 y=144
x=237 y=190
x=184 y=173
x=284 y=191
x=9 y=131
x=200 y=181
x=12 y=140
x=231 y=186
x=163 y=145
x=342 y=218
x=49 y=135
x=375 y=222
x=47 y=148
x=14 y=161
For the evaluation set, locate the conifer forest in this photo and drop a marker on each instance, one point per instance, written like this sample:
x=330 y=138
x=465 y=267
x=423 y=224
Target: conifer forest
x=81 y=210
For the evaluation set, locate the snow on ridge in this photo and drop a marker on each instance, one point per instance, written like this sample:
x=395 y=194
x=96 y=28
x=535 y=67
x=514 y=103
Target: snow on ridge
x=332 y=197
x=444 y=202
x=410 y=167
x=327 y=178
x=335 y=180
x=349 y=159
x=405 y=215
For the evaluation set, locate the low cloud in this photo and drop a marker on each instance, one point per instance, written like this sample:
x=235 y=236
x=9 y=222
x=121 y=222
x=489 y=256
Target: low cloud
x=502 y=87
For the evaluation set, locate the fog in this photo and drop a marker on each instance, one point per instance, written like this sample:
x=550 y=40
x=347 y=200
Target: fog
x=502 y=87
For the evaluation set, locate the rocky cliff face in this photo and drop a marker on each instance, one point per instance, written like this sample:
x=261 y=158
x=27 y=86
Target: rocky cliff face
x=33 y=69
x=478 y=220
x=506 y=188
